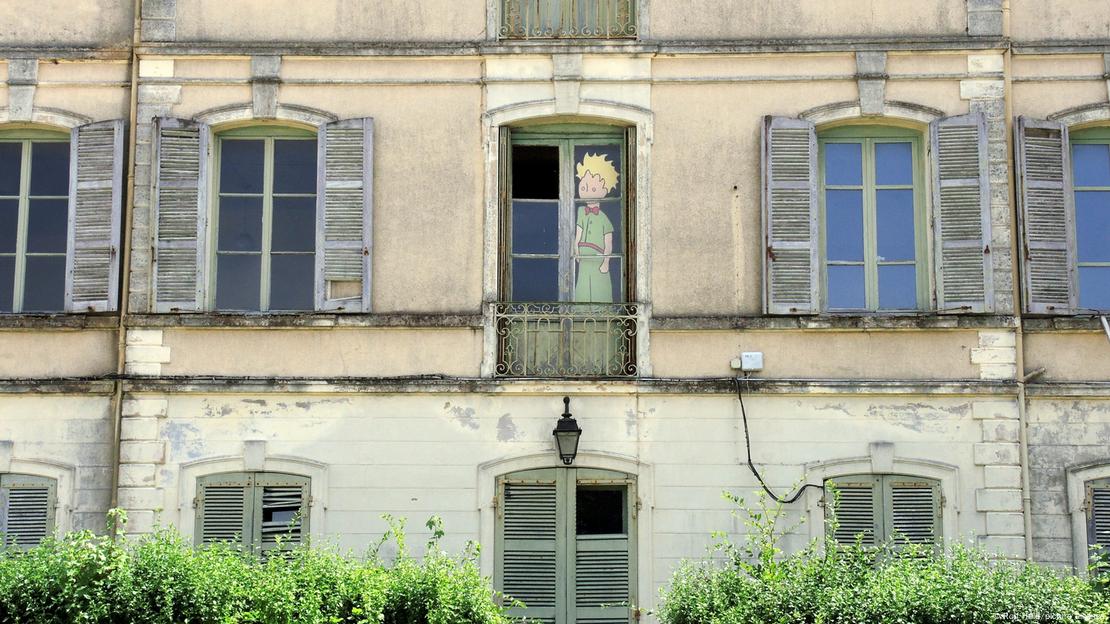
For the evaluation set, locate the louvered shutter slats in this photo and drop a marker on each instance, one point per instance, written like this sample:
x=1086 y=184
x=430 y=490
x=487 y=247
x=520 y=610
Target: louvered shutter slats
x=95 y=200
x=181 y=172
x=224 y=513
x=962 y=219
x=529 y=557
x=913 y=510
x=26 y=509
x=1098 y=528
x=1047 y=213
x=344 y=230
x=601 y=575
x=855 y=508
x=790 y=216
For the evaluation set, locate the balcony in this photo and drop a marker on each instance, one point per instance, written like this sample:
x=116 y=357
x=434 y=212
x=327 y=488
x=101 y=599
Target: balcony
x=566 y=340
x=568 y=19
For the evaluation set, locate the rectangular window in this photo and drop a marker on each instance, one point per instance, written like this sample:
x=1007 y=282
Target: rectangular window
x=34 y=220
x=27 y=505
x=266 y=221
x=1091 y=167
x=259 y=510
x=1098 y=515
x=568 y=19
x=872 y=221
x=876 y=509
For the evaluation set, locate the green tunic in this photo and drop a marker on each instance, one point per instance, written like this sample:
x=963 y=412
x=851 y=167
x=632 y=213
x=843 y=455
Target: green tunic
x=592 y=285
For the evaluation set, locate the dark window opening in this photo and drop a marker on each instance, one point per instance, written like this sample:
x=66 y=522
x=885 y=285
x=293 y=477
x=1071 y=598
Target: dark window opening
x=600 y=511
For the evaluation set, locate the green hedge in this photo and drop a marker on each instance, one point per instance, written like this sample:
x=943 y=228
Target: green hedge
x=754 y=582
x=162 y=579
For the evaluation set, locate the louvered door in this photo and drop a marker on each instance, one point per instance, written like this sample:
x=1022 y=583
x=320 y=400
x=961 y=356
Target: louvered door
x=27 y=509
x=602 y=565
x=790 y=216
x=281 y=505
x=531 y=569
x=1047 y=212
x=1098 y=515
x=912 y=510
x=224 y=509
x=961 y=214
x=344 y=231
x=857 y=509
x=95 y=200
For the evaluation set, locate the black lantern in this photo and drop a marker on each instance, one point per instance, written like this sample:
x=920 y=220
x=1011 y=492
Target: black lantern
x=566 y=434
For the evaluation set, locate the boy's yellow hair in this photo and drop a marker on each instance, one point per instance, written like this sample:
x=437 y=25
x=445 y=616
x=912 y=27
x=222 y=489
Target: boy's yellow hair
x=599 y=165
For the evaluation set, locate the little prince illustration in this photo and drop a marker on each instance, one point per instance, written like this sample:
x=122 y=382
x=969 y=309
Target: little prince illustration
x=593 y=233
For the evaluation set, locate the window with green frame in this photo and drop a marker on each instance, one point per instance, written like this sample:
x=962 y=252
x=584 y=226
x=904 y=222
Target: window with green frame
x=1091 y=178
x=876 y=509
x=873 y=220
x=265 y=220
x=258 y=510
x=34 y=220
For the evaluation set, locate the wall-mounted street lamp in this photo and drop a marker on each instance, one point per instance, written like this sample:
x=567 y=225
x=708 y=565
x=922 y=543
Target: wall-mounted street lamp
x=566 y=434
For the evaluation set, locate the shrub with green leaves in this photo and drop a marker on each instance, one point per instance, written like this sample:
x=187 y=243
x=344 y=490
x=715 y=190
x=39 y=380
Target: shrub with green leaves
x=755 y=582
x=162 y=579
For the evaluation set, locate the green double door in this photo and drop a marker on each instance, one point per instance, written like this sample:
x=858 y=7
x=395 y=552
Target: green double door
x=566 y=545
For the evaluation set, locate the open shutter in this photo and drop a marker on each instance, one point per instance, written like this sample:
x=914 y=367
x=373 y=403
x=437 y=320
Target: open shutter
x=528 y=567
x=27 y=506
x=224 y=512
x=604 y=564
x=912 y=510
x=789 y=162
x=1047 y=213
x=857 y=508
x=95 y=200
x=282 y=501
x=1098 y=515
x=180 y=188
x=344 y=232
x=962 y=214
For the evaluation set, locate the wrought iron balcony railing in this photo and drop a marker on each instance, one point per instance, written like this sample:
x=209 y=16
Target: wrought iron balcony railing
x=568 y=19
x=566 y=339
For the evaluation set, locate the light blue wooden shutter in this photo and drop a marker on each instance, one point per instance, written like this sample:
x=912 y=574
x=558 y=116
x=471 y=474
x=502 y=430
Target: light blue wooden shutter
x=27 y=509
x=790 y=264
x=1047 y=213
x=962 y=214
x=95 y=201
x=180 y=189
x=530 y=537
x=912 y=510
x=224 y=509
x=345 y=212
x=1098 y=515
x=857 y=508
x=281 y=503
x=604 y=565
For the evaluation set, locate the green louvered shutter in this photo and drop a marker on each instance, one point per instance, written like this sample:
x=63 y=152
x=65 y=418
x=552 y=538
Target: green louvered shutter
x=790 y=229
x=344 y=213
x=281 y=503
x=224 y=509
x=529 y=568
x=27 y=509
x=604 y=565
x=1098 y=515
x=95 y=203
x=912 y=510
x=857 y=509
x=180 y=188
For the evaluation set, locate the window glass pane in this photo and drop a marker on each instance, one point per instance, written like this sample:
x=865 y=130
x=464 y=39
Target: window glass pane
x=9 y=224
x=50 y=168
x=844 y=225
x=47 y=225
x=846 y=287
x=597 y=171
x=241 y=163
x=238 y=277
x=898 y=287
x=600 y=510
x=1092 y=225
x=240 y=224
x=535 y=279
x=7 y=282
x=1094 y=288
x=894 y=163
x=536 y=227
x=44 y=285
x=1091 y=164
x=294 y=166
x=294 y=224
x=894 y=221
x=11 y=166
x=535 y=172
x=843 y=164
x=292 y=281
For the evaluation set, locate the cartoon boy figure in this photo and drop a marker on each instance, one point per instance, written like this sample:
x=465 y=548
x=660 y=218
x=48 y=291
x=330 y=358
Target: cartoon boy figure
x=593 y=235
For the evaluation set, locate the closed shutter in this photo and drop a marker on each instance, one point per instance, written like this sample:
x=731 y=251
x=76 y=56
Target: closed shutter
x=603 y=564
x=344 y=232
x=531 y=534
x=789 y=162
x=95 y=200
x=27 y=509
x=912 y=509
x=281 y=502
x=1047 y=213
x=857 y=509
x=180 y=174
x=962 y=214
x=225 y=509
x=1098 y=515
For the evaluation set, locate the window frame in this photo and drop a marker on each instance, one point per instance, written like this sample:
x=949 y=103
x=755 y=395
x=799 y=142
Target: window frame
x=1099 y=135
x=868 y=136
x=26 y=137
x=267 y=133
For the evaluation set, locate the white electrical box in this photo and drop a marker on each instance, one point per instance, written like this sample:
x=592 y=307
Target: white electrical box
x=751 y=361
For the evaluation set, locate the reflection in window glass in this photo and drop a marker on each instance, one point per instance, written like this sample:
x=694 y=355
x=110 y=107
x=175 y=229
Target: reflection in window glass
x=1091 y=162
x=843 y=164
x=847 y=290
x=894 y=164
x=844 y=225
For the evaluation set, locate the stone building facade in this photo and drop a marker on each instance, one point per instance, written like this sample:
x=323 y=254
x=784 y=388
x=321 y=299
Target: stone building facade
x=898 y=205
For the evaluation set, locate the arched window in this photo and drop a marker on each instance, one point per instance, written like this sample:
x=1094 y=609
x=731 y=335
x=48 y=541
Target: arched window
x=900 y=509
x=252 y=509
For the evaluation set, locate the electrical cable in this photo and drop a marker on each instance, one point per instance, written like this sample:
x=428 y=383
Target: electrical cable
x=751 y=465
